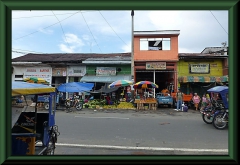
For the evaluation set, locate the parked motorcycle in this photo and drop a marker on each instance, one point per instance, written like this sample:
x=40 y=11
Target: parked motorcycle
x=220 y=118
x=73 y=102
x=209 y=112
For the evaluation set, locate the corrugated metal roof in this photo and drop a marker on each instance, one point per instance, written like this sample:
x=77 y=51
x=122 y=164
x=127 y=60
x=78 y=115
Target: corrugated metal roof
x=215 y=50
x=61 y=57
x=200 y=55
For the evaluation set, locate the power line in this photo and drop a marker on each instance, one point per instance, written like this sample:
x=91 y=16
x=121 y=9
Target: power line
x=112 y=28
x=91 y=32
x=46 y=27
x=61 y=27
x=24 y=51
x=49 y=15
x=218 y=22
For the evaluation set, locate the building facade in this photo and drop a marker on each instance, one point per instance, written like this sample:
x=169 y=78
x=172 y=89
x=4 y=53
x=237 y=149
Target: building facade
x=198 y=72
x=155 y=57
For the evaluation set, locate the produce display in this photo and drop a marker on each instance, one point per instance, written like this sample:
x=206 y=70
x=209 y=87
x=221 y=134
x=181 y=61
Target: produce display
x=102 y=104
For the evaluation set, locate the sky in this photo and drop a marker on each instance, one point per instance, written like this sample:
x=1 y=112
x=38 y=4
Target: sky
x=104 y=31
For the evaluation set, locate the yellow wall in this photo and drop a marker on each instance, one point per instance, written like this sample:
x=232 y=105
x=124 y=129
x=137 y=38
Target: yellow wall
x=216 y=68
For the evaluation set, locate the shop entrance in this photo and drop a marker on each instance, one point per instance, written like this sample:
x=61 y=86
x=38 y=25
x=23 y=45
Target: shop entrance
x=162 y=78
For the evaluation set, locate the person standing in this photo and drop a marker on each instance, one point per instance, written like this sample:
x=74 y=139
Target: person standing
x=179 y=99
x=196 y=100
x=204 y=102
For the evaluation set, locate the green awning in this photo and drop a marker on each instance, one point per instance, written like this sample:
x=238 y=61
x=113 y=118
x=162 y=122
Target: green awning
x=105 y=79
x=206 y=79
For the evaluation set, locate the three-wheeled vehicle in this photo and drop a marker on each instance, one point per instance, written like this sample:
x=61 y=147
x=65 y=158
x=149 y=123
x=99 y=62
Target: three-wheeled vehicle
x=219 y=97
x=34 y=132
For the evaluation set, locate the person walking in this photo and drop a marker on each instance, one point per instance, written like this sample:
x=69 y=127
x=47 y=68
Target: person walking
x=196 y=100
x=179 y=99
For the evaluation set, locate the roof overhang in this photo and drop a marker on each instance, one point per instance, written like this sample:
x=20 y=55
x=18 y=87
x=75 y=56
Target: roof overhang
x=154 y=33
x=105 y=79
x=206 y=79
x=106 y=62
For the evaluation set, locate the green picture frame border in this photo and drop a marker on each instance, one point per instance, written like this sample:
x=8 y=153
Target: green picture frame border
x=6 y=6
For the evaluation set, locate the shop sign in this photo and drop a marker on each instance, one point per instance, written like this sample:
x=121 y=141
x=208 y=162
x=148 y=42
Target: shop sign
x=59 y=71
x=156 y=66
x=76 y=70
x=199 y=68
x=106 y=71
x=41 y=72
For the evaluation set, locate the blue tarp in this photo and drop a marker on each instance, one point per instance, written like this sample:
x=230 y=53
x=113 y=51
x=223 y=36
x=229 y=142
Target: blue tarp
x=75 y=87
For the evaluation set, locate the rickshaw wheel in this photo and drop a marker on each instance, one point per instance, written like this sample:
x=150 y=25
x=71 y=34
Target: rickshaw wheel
x=46 y=106
x=51 y=148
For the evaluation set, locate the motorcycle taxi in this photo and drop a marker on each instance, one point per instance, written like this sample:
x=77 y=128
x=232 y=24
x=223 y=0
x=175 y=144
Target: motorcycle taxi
x=34 y=132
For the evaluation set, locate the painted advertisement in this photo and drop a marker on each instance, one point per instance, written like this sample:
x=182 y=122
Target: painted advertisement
x=199 y=68
x=106 y=71
x=39 y=72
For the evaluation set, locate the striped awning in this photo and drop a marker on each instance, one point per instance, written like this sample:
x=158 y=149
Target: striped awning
x=206 y=79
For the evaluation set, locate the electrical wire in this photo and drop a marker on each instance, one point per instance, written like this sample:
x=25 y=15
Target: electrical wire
x=113 y=29
x=91 y=32
x=46 y=27
x=24 y=51
x=48 y=15
x=218 y=22
x=61 y=28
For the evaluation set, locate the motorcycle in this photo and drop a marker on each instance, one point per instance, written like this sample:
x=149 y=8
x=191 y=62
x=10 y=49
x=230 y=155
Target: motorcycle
x=220 y=118
x=209 y=112
x=73 y=102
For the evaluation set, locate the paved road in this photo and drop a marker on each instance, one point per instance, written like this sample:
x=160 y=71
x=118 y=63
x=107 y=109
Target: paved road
x=98 y=135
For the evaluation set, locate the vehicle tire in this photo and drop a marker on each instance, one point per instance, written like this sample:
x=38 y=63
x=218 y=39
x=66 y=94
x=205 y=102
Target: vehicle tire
x=51 y=147
x=79 y=106
x=218 y=122
x=46 y=106
x=207 y=119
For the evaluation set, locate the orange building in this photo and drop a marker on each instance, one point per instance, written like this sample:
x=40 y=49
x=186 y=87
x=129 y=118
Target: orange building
x=155 y=57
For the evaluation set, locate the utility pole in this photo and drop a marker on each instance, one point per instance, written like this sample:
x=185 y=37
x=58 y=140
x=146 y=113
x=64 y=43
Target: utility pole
x=132 y=52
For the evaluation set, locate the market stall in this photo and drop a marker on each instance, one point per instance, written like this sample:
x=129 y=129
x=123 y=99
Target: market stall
x=144 y=98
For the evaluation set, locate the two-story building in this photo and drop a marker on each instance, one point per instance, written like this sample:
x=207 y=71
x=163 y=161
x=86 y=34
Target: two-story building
x=156 y=56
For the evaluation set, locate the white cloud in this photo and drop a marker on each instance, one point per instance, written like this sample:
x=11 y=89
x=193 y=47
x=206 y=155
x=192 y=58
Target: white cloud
x=45 y=31
x=65 y=48
x=73 y=39
x=71 y=43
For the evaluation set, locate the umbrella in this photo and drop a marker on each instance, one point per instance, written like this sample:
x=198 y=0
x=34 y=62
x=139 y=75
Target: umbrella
x=75 y=87
x=36 y=80
x=145 y=84
x=120 y=83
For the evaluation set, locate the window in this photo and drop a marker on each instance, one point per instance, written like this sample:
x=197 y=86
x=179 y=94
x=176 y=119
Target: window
x=155 y=44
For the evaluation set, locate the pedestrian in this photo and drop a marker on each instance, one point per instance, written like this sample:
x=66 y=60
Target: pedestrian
x=205 y=102
x=179 y=99
x=196 y=100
